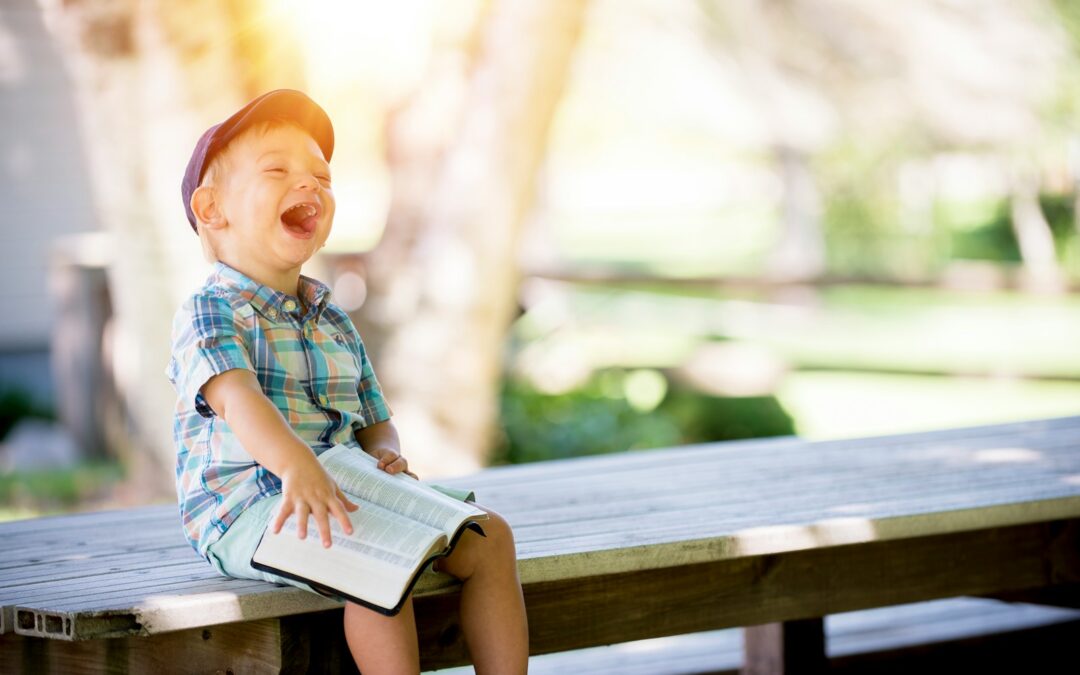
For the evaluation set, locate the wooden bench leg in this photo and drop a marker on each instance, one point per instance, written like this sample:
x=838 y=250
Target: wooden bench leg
x=788 y=648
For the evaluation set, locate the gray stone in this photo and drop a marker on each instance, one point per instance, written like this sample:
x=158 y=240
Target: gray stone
x=35 y=444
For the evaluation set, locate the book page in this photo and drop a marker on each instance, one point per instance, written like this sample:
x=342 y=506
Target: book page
x=376 y=562
x=377 y=533
x=357 y=473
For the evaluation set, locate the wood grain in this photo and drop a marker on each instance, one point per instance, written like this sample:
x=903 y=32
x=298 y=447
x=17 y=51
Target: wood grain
x=623 y=547
x=572 y=614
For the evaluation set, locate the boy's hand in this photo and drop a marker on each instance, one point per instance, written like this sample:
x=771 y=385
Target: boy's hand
x=391 y=461
x=308 y=490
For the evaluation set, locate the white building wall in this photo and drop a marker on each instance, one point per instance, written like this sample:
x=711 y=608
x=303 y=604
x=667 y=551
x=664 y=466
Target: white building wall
x=44 y=192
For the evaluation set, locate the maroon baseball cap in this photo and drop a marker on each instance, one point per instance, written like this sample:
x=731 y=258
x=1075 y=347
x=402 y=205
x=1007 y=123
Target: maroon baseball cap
x=289 y=104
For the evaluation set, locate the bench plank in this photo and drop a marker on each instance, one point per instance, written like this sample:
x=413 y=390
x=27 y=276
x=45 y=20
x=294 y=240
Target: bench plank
x=576 y=613
x=714 y=515
x=250 y=647
x=890 y=631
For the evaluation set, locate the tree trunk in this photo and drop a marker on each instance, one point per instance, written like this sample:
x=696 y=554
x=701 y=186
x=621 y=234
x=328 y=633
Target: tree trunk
x=1034 y=237
x=799 y=251
x=147 y=85
x=443 y=281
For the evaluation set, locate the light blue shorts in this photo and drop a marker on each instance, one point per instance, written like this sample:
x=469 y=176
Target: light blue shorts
x=231 y=554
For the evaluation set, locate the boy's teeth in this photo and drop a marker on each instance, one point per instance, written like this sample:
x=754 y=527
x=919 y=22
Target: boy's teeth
x=294 y=215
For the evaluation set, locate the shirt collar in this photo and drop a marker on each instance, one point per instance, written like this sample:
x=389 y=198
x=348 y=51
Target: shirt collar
x=267 y=301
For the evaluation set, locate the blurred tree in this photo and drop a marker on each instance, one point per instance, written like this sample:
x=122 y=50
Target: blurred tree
x=443 y=281
x=793 y=125
x=1033 y=233
x=464 y=152
x=905 y=80
x=150 y=79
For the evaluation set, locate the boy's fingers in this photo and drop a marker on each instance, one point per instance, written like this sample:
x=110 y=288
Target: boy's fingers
x=301 y=521
x=392 y=463
x=283 y=514
x=349 y=505
x=338 y=511
x=323 y=523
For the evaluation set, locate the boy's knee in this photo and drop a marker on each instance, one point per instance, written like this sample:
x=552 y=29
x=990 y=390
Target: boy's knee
x=473 y=551
x=497 y=530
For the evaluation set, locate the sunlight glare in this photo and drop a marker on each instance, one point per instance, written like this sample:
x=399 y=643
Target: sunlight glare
x=386 y=43
x=1006 y=455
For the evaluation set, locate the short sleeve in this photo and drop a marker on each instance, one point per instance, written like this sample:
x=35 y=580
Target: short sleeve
x=209 y=338
x=373 y=406
x=372 y=402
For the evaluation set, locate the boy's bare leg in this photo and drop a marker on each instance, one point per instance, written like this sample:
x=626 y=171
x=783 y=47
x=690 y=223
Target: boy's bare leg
x=381 y=644
x=492 y=608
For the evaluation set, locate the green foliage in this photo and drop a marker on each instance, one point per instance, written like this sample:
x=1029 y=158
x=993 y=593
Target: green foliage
x=593 y=420
x=1069 y=18
x=863 y=216
x=702 y=418
x=53 y=489
x=993 y=239
x=16 y=404
x=1059 y=211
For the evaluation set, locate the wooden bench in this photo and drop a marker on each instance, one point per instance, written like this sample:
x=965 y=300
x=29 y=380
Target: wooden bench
x=954 y=635
x=774 y=534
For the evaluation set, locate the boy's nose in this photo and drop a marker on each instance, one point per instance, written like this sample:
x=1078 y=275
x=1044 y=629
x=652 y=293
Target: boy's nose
x=309 y=182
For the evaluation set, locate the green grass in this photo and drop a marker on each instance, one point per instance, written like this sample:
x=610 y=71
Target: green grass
x=859 y=360
x=36 y=492
x=860 y=328
x=734 y=239
x=845 y=405
x=928 y=330
x=7 y=514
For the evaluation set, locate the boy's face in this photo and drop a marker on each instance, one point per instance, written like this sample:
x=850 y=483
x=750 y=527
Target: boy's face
x=276 y=202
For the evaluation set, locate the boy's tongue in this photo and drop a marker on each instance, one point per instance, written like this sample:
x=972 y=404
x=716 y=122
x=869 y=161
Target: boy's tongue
x=300 y=220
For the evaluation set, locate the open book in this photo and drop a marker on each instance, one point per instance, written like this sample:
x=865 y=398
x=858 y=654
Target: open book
x=400 y=527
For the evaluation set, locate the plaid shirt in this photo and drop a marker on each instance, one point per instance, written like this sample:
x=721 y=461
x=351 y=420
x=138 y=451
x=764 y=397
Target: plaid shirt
x=311 y=364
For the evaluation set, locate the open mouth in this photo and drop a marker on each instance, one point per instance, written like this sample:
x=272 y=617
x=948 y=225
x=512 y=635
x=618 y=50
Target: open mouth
x=301 y=219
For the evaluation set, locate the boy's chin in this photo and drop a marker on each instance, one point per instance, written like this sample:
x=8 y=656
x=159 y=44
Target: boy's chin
x=300 y=249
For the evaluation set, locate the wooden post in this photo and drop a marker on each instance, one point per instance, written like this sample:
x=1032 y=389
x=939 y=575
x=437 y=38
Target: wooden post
x=787 y=648
x=86 y=397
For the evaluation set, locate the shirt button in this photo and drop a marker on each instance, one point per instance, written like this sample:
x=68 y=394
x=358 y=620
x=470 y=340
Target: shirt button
x=272 y=313
x=324 y=400
x=289 y=305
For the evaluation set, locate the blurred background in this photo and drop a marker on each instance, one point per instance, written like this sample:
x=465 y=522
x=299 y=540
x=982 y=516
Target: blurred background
x=564 y=227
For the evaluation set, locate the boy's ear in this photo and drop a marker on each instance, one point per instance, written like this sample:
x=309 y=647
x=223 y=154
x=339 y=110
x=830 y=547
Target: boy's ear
x=205 y=207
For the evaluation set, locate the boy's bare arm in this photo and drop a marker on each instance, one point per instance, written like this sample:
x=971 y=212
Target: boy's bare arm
x=307 y=489
x=381 y=441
